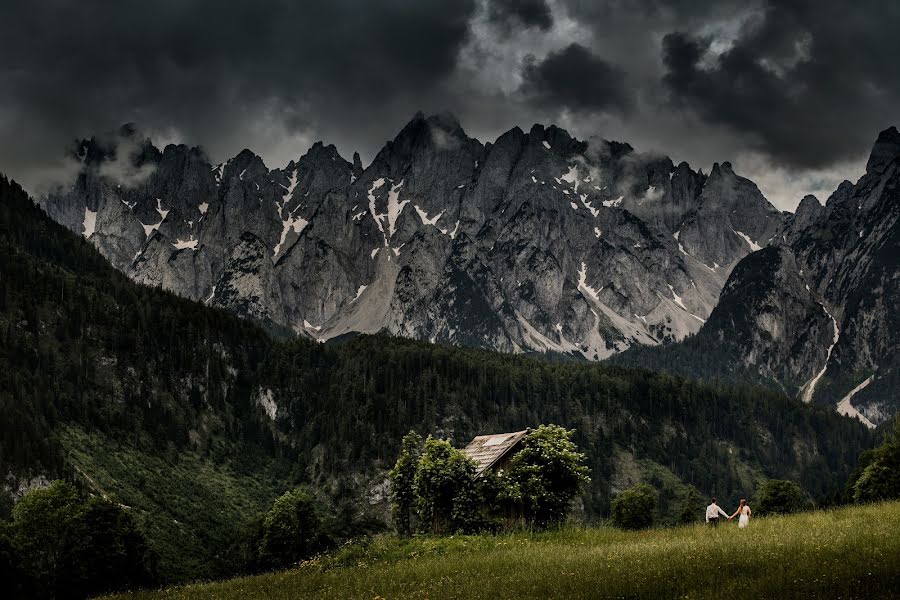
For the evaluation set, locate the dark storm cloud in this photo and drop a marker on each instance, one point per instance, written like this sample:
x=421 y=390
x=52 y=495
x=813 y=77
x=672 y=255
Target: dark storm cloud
x=207 y=67
x=577 y=79
x=526 y=13
x=806 y=83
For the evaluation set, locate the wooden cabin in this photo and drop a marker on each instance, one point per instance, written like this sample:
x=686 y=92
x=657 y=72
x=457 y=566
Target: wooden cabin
x=493 y=452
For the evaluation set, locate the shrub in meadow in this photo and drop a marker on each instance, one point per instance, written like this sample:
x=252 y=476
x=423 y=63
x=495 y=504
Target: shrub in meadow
x=780 y=497
x=634 y=508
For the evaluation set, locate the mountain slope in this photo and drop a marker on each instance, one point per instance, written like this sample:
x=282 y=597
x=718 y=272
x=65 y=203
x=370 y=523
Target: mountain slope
x=818 y=311
x=537 y=242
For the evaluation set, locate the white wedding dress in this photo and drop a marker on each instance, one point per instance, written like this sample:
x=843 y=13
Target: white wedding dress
x=744 y=519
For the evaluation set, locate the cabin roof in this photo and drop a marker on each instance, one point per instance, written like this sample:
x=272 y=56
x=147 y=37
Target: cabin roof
x=486 y=450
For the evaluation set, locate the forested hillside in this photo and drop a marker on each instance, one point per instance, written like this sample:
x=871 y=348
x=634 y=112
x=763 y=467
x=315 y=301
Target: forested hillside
x=197 y=420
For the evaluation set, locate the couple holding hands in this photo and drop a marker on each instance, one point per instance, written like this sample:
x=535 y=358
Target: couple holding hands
x=743 y=513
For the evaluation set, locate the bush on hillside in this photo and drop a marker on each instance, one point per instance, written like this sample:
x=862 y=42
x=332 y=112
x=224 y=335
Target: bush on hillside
x=292 y=530
x=634 y=508
x=14 y=580
x=780 y=497
x=878 y=475
x=241 y=554
x=880 y=480
x=69 y=546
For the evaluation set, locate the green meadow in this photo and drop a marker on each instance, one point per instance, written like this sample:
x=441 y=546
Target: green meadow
x=844 y=553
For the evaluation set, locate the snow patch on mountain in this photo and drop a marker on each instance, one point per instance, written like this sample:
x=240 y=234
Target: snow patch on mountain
x=288 y=193
x=90 y=222
x=186 y=244
x=297 y=224
x=753 y=245
x=613 y=203
x=371 y=195
x=846 y=408
x=584 y=287
x=571 y=177
x=810 y=387
x=394 y=207
x=424 y=216
x=359 y=292
x=676 y=297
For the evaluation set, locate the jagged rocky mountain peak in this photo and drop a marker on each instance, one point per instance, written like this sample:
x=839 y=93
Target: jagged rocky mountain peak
x=809 y=202
x=439 y=132
x=821 y=321
x=246 y=157
x=885 y=151
x=841 y=194
x=127 y=143
x=556 y=140
x=548 y=242
x=321 y=150
x=722 y=170
x=807 y=214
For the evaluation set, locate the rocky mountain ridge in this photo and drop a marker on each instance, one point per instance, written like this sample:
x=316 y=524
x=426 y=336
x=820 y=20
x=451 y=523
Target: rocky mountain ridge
x=818 y=310
x=535 y=242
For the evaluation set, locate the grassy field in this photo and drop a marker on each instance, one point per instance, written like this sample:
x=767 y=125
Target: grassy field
x=846 y=553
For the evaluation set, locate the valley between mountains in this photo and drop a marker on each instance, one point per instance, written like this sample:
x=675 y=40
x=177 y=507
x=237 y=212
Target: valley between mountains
x=196 y=420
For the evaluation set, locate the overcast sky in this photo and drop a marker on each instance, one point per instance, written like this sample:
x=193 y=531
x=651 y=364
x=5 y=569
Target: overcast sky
x=792 y=93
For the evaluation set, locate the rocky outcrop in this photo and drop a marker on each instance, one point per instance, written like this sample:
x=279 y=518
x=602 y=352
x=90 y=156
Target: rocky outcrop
x=536 y=242
x=819 y=310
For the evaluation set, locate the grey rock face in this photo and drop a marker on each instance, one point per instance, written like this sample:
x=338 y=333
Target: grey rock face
x=537 y=242
x=819 y=311
x=247 y=285
x=731 y=220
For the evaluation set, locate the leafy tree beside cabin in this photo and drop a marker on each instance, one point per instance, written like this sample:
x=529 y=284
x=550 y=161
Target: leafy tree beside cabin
x=403 y=479
x=447 y=498
x=546 y=475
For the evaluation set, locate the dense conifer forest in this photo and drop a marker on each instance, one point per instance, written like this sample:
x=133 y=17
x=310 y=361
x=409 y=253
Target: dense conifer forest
x=198 y=420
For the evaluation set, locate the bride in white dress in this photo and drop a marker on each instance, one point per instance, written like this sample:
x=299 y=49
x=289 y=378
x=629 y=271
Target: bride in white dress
x=744 y=512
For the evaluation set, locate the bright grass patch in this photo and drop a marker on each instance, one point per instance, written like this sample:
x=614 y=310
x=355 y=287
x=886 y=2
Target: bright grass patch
x=846 y=553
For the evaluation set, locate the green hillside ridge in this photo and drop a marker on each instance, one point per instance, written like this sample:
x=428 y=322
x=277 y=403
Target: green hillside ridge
x=845 y=553
x=159 y=401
